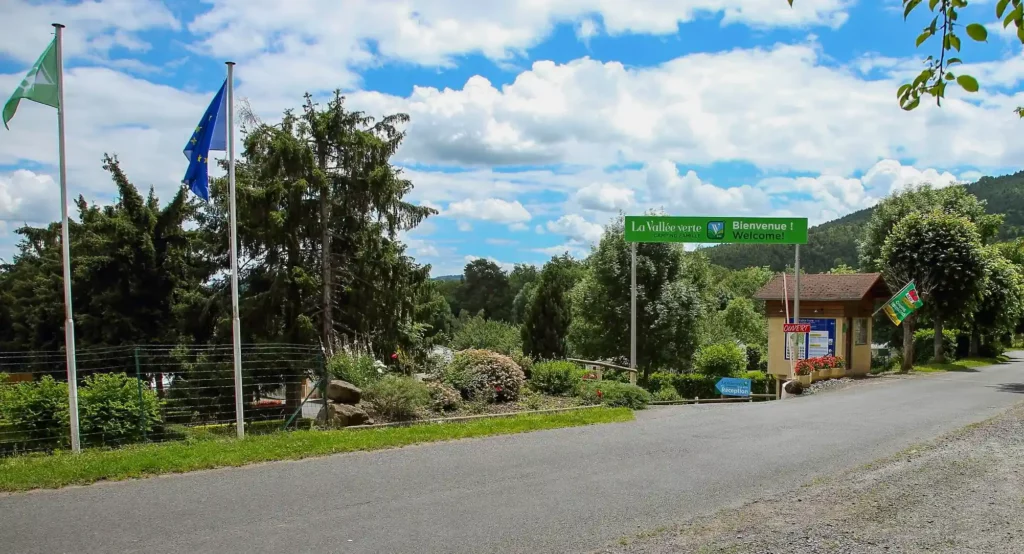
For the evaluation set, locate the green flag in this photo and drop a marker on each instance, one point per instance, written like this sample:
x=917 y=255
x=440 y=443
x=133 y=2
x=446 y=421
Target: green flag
x=40 y=85
x=903 y=304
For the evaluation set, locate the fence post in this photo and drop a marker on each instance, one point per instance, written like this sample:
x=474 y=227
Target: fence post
x=142 y=405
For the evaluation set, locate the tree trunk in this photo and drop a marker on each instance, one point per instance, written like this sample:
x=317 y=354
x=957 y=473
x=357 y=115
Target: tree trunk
x=327 y=304
x=908 y=345
x=975 y=348
x=940 y=352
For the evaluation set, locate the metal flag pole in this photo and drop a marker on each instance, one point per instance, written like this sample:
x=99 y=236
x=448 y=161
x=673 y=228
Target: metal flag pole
x=69 y=322
x=236 y=333
x=632 y=312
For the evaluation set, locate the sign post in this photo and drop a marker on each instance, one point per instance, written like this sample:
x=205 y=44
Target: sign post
x=705 y=230
x=732 y=386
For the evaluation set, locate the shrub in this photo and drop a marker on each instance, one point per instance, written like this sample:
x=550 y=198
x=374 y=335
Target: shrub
x=356 y=368
x=443 y=396
x=924 y=345
x=695 y=385
x=557 y=378
x=805 y=367
x=524 y=362
x=478 y=333
x=396 y=397
x=756 y=359
x=720 y=360
x=667 y=394
x=614 y=394
x=111 y=412
x=485 y=375
x=38 y=411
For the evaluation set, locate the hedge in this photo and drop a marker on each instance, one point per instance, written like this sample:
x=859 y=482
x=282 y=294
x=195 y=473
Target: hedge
x=695 y=385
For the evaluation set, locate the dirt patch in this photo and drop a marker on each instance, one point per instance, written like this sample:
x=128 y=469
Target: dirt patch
x=961 y=493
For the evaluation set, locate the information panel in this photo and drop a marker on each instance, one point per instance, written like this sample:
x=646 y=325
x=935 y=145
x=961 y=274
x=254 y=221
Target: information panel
x=819 y=341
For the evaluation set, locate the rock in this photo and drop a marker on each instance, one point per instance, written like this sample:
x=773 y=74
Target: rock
x=346 y=415
x=343 y=392
x=792 y=388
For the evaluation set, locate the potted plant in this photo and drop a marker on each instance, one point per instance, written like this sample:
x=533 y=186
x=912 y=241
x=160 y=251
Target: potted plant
x=827 y=364
x=803 y=372
x=839 y=370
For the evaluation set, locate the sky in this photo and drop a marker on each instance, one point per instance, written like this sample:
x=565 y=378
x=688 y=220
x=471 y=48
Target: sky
x=533 y=122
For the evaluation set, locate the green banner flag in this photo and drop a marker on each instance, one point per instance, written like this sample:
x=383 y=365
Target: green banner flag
x=905 y=302
x=40 y=85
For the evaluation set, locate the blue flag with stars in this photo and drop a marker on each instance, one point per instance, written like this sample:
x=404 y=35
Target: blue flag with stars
x=210 y=134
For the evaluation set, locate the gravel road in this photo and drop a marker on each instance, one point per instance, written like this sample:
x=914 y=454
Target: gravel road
x=563 y=490
x=961 y=493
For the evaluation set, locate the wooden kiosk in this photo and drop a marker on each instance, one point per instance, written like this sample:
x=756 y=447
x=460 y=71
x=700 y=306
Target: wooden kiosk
x=837 y=307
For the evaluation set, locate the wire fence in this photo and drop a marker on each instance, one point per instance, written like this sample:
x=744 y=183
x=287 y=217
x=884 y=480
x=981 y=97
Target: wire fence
x=134 y=394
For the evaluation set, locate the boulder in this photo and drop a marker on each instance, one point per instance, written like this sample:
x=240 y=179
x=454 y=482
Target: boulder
x=792 y=388
x=343 y=392
x=345 y=415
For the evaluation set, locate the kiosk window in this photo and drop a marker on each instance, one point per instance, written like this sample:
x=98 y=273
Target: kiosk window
x=860 y=331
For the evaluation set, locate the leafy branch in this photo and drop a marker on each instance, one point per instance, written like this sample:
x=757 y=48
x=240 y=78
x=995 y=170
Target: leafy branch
x=937 y=74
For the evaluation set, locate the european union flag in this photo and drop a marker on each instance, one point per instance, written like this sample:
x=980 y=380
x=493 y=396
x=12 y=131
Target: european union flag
x=210 y=134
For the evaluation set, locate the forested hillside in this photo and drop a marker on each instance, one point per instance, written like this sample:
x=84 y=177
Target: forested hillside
x=835 y=242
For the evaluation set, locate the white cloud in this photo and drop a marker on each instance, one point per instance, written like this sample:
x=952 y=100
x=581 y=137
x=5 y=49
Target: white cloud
x=518 y=227
x=490 y=209
x=28 y=197
x=323 y=42
x=690 y=195
x=809 y=115
x=604 y=197
x=576 y=228
x=464 y=226
x=94 y=27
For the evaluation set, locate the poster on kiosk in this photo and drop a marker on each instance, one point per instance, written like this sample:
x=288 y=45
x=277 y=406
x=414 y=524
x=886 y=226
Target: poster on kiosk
x=814 y=338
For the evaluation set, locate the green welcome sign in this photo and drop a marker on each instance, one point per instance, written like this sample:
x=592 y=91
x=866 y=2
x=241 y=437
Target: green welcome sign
x=743 y=230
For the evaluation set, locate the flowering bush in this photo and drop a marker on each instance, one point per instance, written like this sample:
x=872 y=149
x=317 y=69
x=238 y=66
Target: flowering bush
x=611 y=393
x=805 y=367
x=485 y=375
x=443 y=396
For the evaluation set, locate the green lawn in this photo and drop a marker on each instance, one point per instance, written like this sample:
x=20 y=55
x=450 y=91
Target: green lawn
x=61 y=469
x=967 y=364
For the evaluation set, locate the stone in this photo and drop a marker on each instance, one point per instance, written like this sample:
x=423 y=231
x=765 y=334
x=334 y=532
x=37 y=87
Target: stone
x=792 y=388
x=346 y=415
x=343 y=392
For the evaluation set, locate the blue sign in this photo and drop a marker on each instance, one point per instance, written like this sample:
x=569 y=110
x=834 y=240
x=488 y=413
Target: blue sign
x=732 y=386
x=821 y=341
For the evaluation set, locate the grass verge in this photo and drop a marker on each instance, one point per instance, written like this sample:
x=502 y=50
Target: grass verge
x=62 y=469
x=967 y=364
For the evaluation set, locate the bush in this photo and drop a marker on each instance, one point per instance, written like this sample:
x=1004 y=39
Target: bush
x=695 y=385
x=37 y=411
x=111 y=412
x=397 y=398
x=614 y=394
x=756 y=359
x=356 y=368
x=558 y=378
x=443 y=397
x=478 y=333
x=720 y=360
x=485 y=375
x=924 y=345
x=667 y=394
x=524 y=362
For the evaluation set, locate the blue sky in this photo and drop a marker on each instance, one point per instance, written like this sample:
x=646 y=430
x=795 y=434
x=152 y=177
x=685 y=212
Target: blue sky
x=533 y=124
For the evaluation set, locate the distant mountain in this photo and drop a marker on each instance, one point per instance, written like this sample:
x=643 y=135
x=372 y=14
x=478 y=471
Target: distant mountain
x=447 y=278
x=835 y=242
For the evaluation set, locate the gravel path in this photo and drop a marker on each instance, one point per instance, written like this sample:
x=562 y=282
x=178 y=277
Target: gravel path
x=961 y=493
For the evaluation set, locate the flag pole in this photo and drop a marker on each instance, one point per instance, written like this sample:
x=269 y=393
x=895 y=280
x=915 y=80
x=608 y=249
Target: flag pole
x=69 y=322
x=236 y=326
x=240 y=421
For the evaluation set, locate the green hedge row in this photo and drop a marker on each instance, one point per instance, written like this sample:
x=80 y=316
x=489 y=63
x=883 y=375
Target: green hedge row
x=695 y=385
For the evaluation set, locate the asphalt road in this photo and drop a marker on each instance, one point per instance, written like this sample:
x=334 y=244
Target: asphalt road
x=553 y=491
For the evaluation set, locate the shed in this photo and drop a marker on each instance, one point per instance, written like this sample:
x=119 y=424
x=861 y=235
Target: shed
x=837 y=307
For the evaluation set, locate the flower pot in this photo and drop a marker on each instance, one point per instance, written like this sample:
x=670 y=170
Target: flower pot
x=815 y=375
x=839 y=373
x=805 y=380
x=828 y=373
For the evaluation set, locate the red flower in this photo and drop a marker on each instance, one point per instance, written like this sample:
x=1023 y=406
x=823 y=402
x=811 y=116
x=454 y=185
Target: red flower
x=599 y=393
x=394 y=356
x=497 y=388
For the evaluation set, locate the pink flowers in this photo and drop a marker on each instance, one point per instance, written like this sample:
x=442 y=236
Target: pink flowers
x=394 y=356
